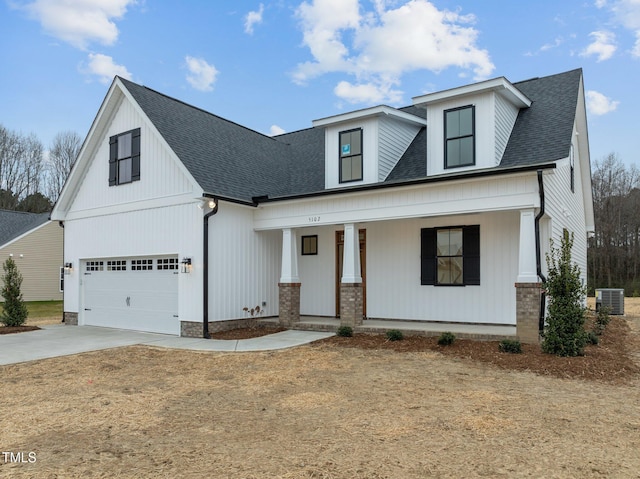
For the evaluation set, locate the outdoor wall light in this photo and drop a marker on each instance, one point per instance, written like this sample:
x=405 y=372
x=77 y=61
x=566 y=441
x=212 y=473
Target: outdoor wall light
x=186 y=265
x=68 y=267
x=207 y=203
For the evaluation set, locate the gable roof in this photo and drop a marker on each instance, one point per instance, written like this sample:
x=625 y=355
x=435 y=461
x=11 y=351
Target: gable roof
x=234 y=162
x=16 y=223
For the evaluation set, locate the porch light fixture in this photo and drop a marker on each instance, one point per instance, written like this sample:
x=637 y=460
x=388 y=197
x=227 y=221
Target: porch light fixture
x=186 y=265
x=209 y=203
x=68 y=267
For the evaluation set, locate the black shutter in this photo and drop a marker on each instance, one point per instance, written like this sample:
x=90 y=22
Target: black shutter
x=135 y=155
x=428 y=256
x=113 y=160
x=471 y=251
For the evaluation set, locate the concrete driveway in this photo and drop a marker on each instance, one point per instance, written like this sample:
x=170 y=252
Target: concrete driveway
x=60 y=340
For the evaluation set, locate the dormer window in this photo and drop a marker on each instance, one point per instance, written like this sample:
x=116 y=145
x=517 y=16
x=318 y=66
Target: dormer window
x=459 y=135
x=351 y=155
x=124 y=157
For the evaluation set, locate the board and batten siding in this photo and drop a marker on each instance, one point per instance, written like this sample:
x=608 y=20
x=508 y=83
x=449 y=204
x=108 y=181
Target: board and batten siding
x=38 y=256
x=173 y=230
x=161 y=175
x=506 y=115
x=394 y=138
x=244 y=265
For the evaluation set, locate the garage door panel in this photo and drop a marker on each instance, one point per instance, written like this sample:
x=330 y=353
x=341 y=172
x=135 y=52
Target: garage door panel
x=140 y=300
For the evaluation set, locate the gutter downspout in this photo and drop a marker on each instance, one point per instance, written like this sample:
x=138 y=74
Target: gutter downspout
x=538 y=260
x=205 y=271
x=61 y=225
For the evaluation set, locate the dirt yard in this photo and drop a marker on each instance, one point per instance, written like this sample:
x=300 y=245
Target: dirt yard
x=329 y=410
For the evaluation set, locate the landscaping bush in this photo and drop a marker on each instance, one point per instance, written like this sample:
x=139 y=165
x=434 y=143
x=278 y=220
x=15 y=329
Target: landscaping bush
x=394 y=335
x=345 y=331
x=564 y=333
x=14 y=311
x=510 y=346
x=602 y=319
x=592 y=337
x=446 y=339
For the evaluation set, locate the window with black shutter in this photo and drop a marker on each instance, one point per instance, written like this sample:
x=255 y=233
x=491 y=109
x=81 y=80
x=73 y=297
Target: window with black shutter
x=450 y=256
x=124 y=157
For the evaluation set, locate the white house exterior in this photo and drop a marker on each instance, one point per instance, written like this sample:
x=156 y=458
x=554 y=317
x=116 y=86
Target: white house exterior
x=176 y=219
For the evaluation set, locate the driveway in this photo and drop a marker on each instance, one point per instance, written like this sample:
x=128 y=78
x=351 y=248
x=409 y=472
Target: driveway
x=60 y=340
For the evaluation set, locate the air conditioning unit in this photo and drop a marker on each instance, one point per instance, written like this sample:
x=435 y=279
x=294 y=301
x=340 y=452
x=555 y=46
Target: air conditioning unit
x=611 y=298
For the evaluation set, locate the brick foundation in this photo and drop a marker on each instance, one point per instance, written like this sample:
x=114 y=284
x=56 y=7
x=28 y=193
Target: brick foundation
x=528 y=312
x=69 y=318
x=289 y=304
x=193 y=329
x=351 y=304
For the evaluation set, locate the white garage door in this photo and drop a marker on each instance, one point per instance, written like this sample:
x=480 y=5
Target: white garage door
x=132 y=293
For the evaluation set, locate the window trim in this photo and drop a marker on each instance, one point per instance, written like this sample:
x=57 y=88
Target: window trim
x=470 y=256
x=114 y=160
x=350 y=156
x=314 y=249
x=472 y=136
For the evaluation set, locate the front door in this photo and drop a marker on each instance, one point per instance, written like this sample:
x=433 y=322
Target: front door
x=362 y=235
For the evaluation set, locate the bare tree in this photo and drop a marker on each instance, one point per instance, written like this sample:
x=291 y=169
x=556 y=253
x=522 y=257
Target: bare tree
x=62 y=156
x=20 y=164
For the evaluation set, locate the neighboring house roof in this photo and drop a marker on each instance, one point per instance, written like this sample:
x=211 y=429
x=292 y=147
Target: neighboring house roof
x=232 y=161
x=16 y=223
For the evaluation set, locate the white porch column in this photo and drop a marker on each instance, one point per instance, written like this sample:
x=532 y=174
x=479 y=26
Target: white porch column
x=351 y=258
x=527 y=256
x=289 y=270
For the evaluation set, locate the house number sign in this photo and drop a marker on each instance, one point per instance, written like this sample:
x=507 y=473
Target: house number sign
x=314 y=219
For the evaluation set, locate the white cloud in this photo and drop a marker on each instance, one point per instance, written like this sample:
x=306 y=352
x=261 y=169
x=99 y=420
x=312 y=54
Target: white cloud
x=202 y=75
x=598 y=104
x=627 y=13
x=636 y=47
x=276 y=130
x=104 y=68
x=603 y=45
x=377 y=47
x=253 y=18
x=80 y=22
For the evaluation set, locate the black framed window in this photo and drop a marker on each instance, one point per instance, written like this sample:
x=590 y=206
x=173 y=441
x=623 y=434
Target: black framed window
x=124 y=157
x=310 y=245
x=351 y=155
x=450 y=256
x=459 y=137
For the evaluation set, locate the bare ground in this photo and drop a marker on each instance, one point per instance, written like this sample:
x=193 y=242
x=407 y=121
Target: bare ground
x=328 y=410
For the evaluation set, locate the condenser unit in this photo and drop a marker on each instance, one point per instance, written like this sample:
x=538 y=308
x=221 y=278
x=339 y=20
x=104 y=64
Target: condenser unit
x=612 y=299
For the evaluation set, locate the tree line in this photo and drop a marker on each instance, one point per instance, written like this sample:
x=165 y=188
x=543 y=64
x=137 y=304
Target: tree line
x=614 y=251
x=31 y=178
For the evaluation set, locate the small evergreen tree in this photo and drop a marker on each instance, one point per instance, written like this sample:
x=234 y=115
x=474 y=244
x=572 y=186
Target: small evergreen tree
x=564 y=332
x=14 y=311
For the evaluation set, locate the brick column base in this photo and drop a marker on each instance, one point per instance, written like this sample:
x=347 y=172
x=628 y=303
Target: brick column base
x=70 y=319
x=289 y=304
x=528 y=312
x=351 y=304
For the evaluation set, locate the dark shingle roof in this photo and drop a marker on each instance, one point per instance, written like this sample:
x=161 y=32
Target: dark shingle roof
x=229 y=160
x=16 y=223
x=543 y=131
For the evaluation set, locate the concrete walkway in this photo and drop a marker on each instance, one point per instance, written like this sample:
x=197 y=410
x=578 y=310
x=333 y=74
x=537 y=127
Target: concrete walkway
x=60 y=340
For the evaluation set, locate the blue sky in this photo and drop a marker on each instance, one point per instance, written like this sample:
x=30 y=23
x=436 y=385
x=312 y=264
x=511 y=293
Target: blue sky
x=275 y=66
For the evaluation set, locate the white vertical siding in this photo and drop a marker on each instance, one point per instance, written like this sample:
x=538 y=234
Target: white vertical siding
x=244 y=265
x=506 y=115
x=485 y=136
x=318 y=273
x=394 y=138
x=160 y=173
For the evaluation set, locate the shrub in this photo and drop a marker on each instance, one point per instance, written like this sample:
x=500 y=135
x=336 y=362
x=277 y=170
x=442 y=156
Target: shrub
x=510 y=346
x=602 y=320
x=394 y=335
x=345 y=331
x=592 y=337
x=446 y=339
x=14 y=311
x=564 y=333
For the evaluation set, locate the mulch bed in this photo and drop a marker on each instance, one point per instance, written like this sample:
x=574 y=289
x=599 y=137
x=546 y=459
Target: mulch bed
x=610 y=361
x=245 y=333
x=16 y=329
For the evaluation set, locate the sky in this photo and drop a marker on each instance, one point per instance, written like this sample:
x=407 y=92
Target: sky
x=275 y=66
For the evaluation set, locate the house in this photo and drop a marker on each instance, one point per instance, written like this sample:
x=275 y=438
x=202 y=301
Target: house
x=176 y=219
x=35 y=244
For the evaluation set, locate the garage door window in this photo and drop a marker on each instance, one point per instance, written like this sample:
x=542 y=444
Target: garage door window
x=167 y=263
x=142 y=264
x=117 y=265
x=95 y=265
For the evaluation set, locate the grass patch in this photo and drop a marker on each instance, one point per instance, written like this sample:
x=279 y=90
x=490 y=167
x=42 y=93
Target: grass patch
x=44 y=309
